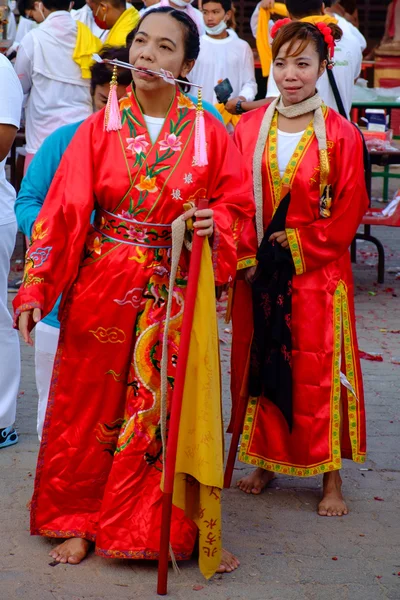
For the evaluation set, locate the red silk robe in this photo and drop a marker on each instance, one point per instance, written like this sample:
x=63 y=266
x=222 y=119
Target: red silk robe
x=323 y=324
x=100 y=462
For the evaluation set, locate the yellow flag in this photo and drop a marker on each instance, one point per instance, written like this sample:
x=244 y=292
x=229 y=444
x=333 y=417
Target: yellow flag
x=199 y=463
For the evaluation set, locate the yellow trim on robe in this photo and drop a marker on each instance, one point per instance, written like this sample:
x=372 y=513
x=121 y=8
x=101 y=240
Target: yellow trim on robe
x=262 y=35
x=296 y=250
x=199 y=463
x=341 y=324
x=125 y=24
x=245 y=263
x=87 y=44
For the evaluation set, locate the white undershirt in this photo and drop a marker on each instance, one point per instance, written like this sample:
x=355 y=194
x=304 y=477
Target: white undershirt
x=287 y=144
x=154 y=126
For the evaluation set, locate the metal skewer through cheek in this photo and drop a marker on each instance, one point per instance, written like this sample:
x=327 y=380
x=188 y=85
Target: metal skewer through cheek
x=165 y=75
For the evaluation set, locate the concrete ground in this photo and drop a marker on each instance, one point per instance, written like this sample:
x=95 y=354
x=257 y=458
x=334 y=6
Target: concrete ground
x=287 y=552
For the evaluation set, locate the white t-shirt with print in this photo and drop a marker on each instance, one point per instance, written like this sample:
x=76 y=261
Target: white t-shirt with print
x=11 y=98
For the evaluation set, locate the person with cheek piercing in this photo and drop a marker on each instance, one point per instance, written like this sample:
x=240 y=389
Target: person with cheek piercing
x=304 y=407
x=143 y=165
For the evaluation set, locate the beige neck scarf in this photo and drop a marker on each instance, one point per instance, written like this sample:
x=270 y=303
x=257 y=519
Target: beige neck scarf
x=312 y=104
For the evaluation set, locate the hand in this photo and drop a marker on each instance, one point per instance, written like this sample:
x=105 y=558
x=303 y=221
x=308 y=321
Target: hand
x=204 y=220
x=230 y=106
x=267 y=4
x=249 y=274
x=280 y=237
x=25 y=323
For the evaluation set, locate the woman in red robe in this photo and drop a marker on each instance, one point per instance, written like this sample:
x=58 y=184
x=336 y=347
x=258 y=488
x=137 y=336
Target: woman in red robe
x=303 y=383
x=100 y=462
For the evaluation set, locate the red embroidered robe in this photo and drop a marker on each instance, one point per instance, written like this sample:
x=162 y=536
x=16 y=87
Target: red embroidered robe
x=323 y=324
x=100 y=461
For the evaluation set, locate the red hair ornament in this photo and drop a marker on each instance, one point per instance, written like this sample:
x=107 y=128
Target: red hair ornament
x=324 y=30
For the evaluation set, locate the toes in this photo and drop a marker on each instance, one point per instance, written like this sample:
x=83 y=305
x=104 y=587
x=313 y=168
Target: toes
x=256 y=491
x=74 y=560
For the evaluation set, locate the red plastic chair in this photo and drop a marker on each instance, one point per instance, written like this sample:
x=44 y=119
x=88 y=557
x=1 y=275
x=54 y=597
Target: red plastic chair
x=375 y=217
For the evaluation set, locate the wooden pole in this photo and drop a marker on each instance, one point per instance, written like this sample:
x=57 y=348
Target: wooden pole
x=176 y=407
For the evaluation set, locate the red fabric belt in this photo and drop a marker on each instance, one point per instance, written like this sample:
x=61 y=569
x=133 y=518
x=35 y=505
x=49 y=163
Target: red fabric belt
x=123 y=228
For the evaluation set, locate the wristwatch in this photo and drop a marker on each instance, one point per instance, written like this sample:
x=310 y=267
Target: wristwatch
x=239 y=109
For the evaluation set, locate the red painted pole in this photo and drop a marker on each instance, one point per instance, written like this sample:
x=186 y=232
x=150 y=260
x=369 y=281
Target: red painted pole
x=176 y=407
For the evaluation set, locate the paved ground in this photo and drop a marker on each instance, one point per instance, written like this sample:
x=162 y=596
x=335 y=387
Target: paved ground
x=287 y=551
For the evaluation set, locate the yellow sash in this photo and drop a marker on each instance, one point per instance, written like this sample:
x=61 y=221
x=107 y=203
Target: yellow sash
x=200 y=443
x=125 y=24
x=262 y=37
x=87 y=44
x=227 y=117
x=320 y=19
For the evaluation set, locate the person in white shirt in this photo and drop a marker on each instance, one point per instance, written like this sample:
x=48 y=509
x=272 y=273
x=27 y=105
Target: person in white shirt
x=11 y=98
x=267 y=4
x=347 y=59
x=223 y=55
x=57 y=93
x=147 y=4
x=344 y=24
x=185 y=5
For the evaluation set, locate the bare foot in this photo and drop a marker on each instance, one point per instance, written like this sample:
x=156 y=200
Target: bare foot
x=72 y=551
x=332 y=503
x=256 y=482
x=229 y=562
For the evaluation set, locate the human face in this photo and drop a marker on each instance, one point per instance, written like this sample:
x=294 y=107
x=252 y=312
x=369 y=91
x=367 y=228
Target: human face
x=297 y=76
x=159 y=44
x=36 y=13
x=213 y=14
x=101 y=92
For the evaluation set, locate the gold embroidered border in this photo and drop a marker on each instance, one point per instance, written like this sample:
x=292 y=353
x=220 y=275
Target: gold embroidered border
x=351 y=374
x=294 y=162
x=245 y=263
x=296 y=250
x=334 y=462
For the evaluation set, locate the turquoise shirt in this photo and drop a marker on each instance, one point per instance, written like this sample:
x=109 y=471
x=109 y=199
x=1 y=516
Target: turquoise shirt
x=39 y=176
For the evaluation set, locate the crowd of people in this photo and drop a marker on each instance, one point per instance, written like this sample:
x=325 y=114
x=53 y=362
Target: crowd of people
x=116 y=162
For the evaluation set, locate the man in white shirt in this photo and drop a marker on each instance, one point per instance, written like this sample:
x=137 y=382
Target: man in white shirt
x=11 y=98
x=347 y=59
x=185 y=5
x=147 y=4
x=50 y=76
x=345 y=25
x=223 y=55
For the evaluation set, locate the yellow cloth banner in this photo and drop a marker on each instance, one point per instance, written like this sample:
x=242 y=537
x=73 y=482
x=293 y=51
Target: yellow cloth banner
x=87 y=44
x=125 y=24
x=262 y=37
x=199 y=463
x=227 y=117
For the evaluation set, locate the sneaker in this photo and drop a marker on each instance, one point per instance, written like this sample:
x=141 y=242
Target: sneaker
x=8 y=437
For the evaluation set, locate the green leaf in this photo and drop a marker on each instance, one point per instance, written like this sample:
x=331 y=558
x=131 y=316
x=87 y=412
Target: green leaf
x=161 y=169
x=182 y=127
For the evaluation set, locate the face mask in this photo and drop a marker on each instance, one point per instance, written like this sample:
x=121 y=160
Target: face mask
x=182 y=3
x=220 y=28
x=100 y=22
x=39 y=8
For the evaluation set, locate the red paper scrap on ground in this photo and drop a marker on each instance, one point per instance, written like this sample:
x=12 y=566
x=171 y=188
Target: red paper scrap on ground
x=368 y=356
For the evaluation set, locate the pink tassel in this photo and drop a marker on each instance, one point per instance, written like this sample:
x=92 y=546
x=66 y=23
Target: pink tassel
x=112 y=116
x=200 y=142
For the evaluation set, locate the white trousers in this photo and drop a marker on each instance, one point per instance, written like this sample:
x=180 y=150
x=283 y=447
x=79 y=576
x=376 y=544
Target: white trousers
x=46 y=342
x=10 y=360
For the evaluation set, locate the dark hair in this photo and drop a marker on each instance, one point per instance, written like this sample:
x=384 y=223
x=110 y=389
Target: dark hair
x=101 y=72
x=298 y=31
x=304 y=8
x=226 y=4
x=191 y=33
x=24 y=5
x=56 y=4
